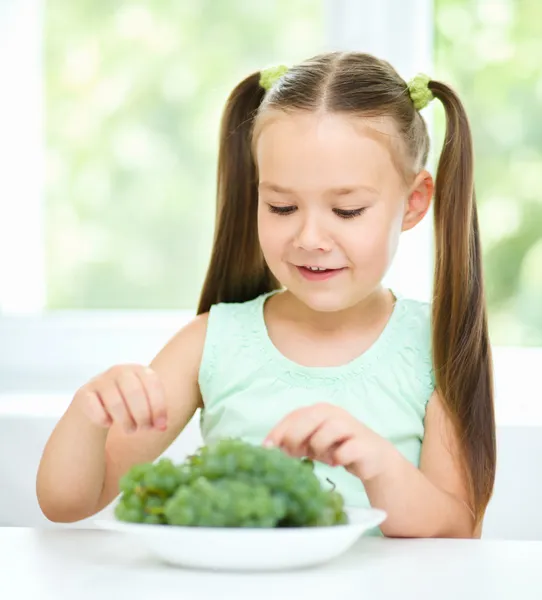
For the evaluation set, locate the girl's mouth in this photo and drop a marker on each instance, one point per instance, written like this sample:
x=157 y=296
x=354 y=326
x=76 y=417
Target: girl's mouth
x=318 y=273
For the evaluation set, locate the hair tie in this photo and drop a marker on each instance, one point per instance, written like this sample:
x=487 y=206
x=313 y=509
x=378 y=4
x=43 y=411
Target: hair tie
x=420 y=94
x=269 y=76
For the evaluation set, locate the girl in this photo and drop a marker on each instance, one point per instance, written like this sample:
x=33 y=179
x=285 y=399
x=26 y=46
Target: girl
x=296 y=342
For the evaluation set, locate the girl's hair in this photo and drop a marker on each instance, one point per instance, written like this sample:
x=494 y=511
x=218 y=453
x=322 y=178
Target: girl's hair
x=361 y=85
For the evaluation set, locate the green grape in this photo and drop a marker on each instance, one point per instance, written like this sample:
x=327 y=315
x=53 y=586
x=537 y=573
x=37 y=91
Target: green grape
x=224 y=503
x=133 y=501
x=229 y=484
x=145 y=488
x=153 y=520
x=163 y=478
x=332 y=513
x=131 y=480
x=123 y=512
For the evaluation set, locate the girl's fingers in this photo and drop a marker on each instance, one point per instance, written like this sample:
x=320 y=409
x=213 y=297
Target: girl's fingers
x=156 y=397
x=347 y=454
x=290 y=434
x=293 y=432
x=135 y=399
x=115 y=405
x=328 y=437
x=95 y=409
x=132 y=396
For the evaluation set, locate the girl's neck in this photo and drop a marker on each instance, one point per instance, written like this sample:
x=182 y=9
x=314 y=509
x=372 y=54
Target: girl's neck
x=377 y=306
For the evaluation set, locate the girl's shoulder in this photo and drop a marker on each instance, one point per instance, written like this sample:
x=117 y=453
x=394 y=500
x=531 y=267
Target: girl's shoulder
x=415 y=315
x=233 y=332
x=412 y=335
x=412 y=328
x=225 y=313
x=229 y=323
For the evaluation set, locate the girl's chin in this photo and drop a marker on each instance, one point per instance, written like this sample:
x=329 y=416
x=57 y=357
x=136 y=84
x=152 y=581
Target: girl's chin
x=321 y=300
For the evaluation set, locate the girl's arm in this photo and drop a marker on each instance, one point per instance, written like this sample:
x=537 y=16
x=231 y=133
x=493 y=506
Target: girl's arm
x=82 y=462
x=431 y=501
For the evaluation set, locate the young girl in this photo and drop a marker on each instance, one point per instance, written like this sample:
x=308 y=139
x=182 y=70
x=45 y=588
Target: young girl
x=296 y=342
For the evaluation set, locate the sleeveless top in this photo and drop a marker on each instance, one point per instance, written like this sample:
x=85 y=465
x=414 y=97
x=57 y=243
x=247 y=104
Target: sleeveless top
x=248 y=386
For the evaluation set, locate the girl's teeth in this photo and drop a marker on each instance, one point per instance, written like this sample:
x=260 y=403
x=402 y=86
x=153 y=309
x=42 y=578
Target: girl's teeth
x=316 y=269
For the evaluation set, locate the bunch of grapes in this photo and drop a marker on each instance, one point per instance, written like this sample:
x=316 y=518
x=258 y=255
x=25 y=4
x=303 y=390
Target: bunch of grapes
x=229 y=484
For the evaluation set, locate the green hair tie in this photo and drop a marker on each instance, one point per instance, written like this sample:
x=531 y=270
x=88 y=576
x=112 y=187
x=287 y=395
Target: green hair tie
x=269 y=76
x=419 y=91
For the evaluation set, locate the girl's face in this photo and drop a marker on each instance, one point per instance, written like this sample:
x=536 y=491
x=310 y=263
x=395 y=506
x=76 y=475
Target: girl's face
x=331 y=197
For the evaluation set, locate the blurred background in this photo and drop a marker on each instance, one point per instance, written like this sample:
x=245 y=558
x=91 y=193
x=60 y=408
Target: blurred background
x=110 y=144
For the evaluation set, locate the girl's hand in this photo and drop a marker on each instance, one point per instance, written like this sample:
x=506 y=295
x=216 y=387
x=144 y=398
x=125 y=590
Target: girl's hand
x=331 y=435
x=131 y=396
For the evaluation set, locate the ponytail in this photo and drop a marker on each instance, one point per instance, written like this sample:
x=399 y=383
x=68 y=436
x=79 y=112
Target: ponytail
x=461 y=348
x=237 y=271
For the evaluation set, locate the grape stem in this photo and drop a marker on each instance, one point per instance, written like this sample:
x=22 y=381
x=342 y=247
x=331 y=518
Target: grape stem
x=156 y=510
x=143 y=492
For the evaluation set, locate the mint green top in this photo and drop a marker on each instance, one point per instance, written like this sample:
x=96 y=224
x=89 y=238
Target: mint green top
x=248 y=386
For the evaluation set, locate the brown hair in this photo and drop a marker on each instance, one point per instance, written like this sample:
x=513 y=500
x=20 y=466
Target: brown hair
x=360 y=84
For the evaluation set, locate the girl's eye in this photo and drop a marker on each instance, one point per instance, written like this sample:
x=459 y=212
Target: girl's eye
x=343 y=213
x=281 y=210
x=350 y=213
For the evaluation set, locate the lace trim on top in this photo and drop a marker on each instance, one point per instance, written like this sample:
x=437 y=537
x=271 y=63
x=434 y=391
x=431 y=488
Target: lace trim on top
x=256 y=337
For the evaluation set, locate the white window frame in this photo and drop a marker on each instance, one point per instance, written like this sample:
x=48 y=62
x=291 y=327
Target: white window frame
x=57 y=351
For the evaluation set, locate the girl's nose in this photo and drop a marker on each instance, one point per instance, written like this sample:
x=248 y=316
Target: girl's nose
x=312 y=236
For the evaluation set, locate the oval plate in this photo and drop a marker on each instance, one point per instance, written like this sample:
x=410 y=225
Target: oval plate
x=240 y=549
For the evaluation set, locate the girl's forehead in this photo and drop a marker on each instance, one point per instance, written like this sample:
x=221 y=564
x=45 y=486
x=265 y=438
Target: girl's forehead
x=331 y=147
x=326 y=125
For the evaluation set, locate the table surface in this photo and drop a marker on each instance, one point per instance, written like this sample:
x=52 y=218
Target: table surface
x=84 y=564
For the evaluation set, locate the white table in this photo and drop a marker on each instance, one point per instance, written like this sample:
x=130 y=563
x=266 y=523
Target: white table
x=85 y=564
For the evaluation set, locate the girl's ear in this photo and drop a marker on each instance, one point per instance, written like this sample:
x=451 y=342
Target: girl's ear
x=419 y=200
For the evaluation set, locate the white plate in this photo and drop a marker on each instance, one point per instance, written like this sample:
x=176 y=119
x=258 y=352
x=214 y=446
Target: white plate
x=249 y=549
